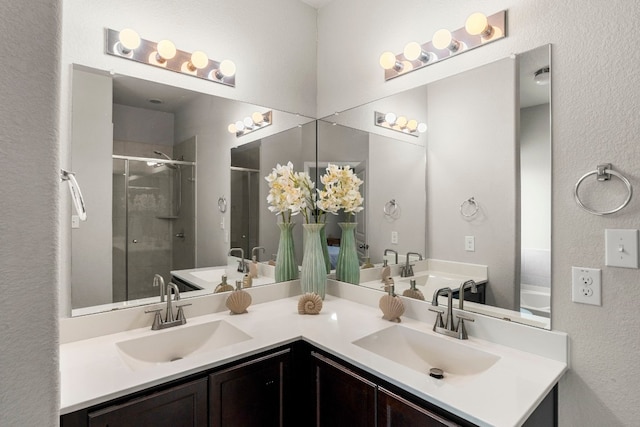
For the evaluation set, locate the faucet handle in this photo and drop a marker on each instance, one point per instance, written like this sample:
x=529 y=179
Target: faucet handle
x=439 y=322
x=461 y=329
x=157 y=318
x=180 y=315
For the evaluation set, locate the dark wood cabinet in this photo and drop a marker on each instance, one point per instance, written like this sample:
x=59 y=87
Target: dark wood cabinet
x=253 y=393
x=394 y=410
x=184 y=405
x=341 y=397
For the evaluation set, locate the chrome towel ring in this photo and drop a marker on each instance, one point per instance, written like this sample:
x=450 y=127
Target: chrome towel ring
x=391 y=209
x=469 y=205
x=603 y=173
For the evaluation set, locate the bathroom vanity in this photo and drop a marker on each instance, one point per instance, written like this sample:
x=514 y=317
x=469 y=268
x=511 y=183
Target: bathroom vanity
x=272 y=366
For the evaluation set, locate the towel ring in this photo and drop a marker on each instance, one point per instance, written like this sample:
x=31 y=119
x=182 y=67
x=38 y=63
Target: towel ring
x=222 y=204
x=471 y=202
x=603 y=173
x=391 y=208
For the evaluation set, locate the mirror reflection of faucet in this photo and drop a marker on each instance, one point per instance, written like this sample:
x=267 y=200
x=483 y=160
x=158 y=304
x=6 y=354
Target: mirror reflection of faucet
x=407 y=269
x=242 y=267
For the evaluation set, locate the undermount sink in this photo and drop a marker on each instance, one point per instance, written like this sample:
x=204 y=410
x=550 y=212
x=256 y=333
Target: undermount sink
x=433 y=281
x=210 y=275
x=178 y=343
x=422 y=351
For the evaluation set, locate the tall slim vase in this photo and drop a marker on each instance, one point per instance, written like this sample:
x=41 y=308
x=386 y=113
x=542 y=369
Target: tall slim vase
x=348 y=266
x=286 y=266
x=313 y=277
x=325 y=249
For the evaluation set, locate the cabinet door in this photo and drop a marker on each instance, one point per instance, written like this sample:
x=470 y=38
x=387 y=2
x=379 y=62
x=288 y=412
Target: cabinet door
x=342 y=397
x=395 y=411
x=254 y=393
x=180 y=406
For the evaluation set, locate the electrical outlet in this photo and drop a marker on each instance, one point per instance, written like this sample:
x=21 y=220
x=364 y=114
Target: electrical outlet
x=75 y=221
x=394 y=237
x=469 y=243
x=586 y=285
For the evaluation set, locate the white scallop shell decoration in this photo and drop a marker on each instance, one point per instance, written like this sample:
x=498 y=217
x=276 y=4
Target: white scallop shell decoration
x=309 y=303
x=392 y=308
x=238 y=302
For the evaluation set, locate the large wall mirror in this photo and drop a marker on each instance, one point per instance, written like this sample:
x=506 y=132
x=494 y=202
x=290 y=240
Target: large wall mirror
x=168 y=188
x=488 y=138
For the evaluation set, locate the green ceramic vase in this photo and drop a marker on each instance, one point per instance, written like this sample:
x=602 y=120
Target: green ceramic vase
x=348 y=266
x=286 y=266
x=325 y=249
x=313 y=276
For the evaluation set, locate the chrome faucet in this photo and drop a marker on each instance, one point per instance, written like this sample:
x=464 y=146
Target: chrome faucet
x=254 y=252
x=469 y=284
x=170 y=320
x=386 y=251
x=158 y=280
x=242 y=267
x=407 y=269
x=446 y=327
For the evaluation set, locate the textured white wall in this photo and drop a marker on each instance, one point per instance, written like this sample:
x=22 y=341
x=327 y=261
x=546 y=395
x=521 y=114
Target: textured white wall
x=30 y=177
x=596 y=99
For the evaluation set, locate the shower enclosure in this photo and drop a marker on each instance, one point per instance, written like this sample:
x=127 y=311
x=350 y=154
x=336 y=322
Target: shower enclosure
x=153 y=222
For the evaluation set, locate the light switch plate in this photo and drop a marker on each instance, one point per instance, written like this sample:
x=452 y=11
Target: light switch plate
x=75 y=221
x=394 y=237
x=621 y=248
x=469 y=243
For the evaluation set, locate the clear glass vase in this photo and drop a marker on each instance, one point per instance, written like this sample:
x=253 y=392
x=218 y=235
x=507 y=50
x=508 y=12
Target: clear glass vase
x=286 y=265
x=313 y=276
x=348 y=266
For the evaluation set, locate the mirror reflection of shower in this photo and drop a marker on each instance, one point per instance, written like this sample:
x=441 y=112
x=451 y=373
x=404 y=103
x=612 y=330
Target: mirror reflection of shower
x=153 y=216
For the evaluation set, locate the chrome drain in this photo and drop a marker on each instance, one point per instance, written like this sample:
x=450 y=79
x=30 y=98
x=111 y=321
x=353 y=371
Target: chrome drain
x=436 y=373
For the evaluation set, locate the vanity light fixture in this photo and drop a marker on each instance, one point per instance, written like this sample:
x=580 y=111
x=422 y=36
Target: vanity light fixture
x=399 y=124
x=251 y=124
x=127 y=44
x=479 y=30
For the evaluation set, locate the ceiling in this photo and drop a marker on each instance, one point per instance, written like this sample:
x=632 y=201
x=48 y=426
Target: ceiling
x=316 y=3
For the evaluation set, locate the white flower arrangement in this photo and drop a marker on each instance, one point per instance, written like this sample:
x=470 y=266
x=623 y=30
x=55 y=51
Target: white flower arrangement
x=341 y=191
x=290 y=192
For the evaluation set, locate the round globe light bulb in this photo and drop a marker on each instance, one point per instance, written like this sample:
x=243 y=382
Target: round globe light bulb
x=422 y=127
x=232 y=128
x=477 y=24
x=401 y=121
x=239 y=125
x=390 y=118
x=412 y=125
x=412 y=51
x=248 y=122
x=227 y=68
x=442 y=39
x=129 y=39
x=257 y=118
x=199 y=59
x=388 y=60
x=166 y=49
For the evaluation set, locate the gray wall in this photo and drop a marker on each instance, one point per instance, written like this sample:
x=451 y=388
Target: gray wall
x=92 y=146
x=30 y=175
x=472 y=153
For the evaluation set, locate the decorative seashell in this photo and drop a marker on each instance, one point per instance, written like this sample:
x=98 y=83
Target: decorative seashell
x=413 y=293
x=309 y=303
x=224 y=286
x=385 y=273
x=247 y=281
x=392 y=308
x=238 y=302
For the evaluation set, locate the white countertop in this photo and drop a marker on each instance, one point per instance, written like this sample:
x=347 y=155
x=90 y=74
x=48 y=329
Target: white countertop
x=92 y=370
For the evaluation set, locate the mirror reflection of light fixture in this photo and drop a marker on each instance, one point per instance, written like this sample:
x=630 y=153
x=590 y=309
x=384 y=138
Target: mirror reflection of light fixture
x=127 y=44
x=479 y=29
x=250 y=124
x=399 y=124
x=542 y=77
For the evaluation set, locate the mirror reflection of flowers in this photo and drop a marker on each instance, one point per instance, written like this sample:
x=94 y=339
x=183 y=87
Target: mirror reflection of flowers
x=341 y=191
x=290 y=192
